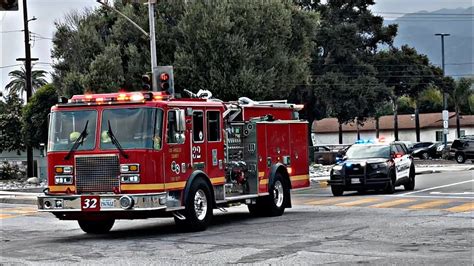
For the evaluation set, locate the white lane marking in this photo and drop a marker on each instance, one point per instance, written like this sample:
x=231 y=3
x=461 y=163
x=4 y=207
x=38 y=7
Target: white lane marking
x=433 y=188
x=452 y=193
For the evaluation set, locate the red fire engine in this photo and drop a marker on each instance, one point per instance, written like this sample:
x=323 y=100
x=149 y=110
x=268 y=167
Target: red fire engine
x=139 y=155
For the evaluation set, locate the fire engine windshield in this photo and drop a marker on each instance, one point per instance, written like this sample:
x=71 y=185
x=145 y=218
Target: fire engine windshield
x=66 y=126
x=133 y=128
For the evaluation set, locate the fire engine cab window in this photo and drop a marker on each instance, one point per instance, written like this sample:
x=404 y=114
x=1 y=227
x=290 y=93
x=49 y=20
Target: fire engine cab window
x=198 y=126
x=173 y=136
x=66 y=127
x=213 y=126
x=132 y=127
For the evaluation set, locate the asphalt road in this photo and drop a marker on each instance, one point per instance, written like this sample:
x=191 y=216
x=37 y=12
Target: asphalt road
x=433 y=225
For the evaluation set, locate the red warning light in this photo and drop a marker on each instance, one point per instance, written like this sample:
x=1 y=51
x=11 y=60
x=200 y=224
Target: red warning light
x=164 y=77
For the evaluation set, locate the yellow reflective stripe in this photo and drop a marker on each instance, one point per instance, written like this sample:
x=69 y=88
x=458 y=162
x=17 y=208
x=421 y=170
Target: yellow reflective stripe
x=216 y=180
x=264 y=182
x=175 y=185
x=299 y=177
x=61 y=188
x=261 y=174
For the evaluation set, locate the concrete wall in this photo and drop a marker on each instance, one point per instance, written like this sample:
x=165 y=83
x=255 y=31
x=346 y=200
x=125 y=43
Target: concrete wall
x=20 y=160
x=407 y=135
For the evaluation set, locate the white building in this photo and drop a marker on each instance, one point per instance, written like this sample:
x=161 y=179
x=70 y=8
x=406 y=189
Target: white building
x=326 y=131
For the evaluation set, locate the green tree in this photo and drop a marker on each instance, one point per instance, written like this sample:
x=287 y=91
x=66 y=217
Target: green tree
x=99 y=51
x=18 y=80
x=35 y=115
x=10 y=125
x=408 y=74
x=348 y=37
x=257 y=49
x=460 y=95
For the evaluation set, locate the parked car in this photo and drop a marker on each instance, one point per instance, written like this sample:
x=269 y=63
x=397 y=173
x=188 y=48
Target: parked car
x=440 y=150
x=428 y=152
x=462 y=149
x=408 y=144
x=419 y=145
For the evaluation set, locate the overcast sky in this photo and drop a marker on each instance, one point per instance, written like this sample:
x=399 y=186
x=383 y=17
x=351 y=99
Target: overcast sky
x=48 y=11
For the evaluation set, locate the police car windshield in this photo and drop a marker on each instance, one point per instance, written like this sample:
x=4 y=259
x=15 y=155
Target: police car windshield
x=368 y=151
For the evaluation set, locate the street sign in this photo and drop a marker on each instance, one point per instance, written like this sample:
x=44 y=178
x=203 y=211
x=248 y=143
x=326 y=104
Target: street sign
x=445 y=115
x=445 y=131
x=445 y=124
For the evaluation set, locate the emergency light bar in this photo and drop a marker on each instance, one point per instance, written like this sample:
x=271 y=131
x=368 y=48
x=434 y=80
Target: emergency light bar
x=117 y=98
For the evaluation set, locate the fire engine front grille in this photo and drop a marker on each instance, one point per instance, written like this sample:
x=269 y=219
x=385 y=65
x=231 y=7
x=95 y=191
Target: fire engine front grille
x=97 y=173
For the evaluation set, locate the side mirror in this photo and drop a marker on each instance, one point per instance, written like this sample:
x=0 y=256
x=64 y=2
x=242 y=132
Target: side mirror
x=180 y=121
x=396 y=155
x=344 y=158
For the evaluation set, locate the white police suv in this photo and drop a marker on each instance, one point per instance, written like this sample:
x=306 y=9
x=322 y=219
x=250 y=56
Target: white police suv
x=373 y=164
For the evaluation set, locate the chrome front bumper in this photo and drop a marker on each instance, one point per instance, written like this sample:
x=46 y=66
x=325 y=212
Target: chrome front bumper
x=104 y=202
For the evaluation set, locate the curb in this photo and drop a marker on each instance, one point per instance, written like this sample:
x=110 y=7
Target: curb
x=18 y=200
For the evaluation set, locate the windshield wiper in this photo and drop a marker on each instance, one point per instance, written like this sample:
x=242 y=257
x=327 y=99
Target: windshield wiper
x=78 y=142
x=115 y=141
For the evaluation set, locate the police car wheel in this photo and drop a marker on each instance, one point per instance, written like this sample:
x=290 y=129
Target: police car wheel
x=96 y=227
x=390 y=187
x=410 y=185
x=337 y=191
x=198 y=208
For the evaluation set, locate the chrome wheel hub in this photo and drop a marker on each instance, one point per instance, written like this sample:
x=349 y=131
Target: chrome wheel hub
x=200 y=204
x=278 y=194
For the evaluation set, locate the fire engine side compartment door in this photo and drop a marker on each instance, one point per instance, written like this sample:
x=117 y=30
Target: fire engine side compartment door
x=215 y=146
x=299 y=163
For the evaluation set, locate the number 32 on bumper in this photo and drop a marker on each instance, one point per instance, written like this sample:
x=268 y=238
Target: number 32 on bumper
x=90 y=203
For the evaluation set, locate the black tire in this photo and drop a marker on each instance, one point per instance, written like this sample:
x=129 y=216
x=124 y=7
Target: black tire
x=390 y=187
x=275 y=203
x=198 y=208
x=96 y=227
x=410 y=185
x=425 y=156
x=460 y=157
x=337 y=190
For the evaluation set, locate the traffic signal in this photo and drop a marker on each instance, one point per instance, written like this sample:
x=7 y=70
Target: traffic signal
x=146 y=83
x=165 y=79
x=9 y=5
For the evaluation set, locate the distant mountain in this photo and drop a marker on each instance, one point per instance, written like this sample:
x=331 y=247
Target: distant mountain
x=418 y=29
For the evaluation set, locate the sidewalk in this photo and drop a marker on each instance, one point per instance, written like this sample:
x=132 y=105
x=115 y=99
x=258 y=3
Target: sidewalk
x=18 y=197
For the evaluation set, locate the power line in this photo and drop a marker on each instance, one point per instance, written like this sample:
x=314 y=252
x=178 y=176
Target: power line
x=11 y=66
x=425 y=14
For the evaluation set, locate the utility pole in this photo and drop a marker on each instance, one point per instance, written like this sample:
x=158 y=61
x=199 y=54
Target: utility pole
x=445 y=96
x=29 y=91
x=154 y=64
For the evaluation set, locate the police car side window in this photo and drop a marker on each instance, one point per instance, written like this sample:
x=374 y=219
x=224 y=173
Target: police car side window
x=400 y=149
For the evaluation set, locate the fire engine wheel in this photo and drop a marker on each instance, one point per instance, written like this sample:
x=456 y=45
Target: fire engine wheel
x=275 y=203
x=96 y=227
x=198 y=208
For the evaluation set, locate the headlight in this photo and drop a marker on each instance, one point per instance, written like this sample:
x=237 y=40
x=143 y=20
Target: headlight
x=63 y=179
x=135 y=178
x=376 y=166
x=337 y=167
x=129 y=168
x=63 y=169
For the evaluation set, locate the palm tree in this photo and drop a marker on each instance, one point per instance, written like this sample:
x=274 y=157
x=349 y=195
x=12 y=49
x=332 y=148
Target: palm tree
x=18 y=83
x=460 y=95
